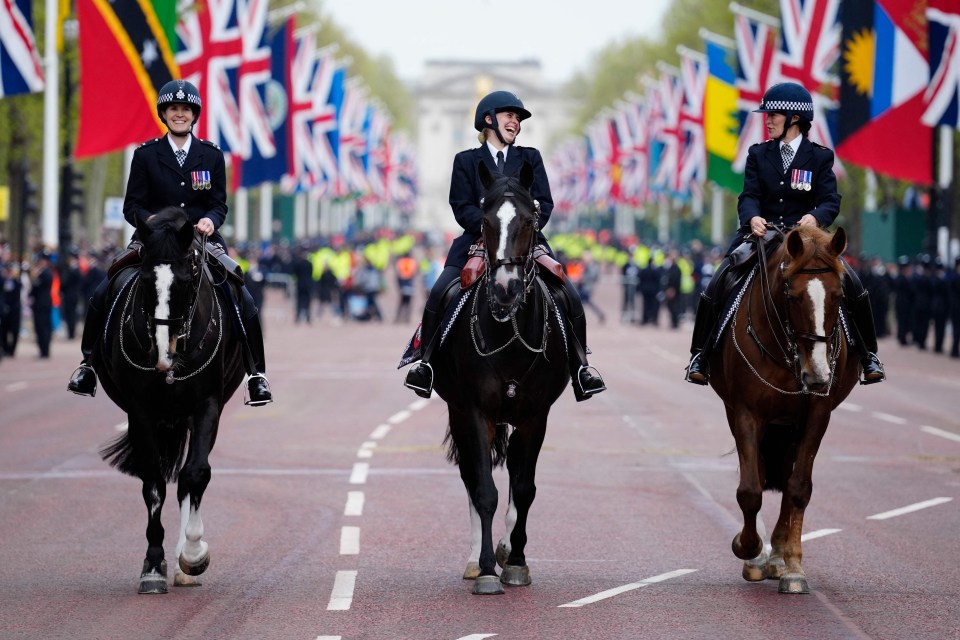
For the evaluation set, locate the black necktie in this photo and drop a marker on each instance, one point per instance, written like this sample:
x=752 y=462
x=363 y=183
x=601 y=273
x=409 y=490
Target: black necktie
x=500 y=161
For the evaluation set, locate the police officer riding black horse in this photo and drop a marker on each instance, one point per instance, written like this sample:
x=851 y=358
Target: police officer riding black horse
x=788 y=181
x=497 y=119
x=183 y=171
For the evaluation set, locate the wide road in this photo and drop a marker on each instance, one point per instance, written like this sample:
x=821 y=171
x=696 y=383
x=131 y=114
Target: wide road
x=333 y=513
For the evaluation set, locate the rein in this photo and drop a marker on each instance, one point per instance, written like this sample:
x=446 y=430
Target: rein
x=527 y=275
x=789 y=350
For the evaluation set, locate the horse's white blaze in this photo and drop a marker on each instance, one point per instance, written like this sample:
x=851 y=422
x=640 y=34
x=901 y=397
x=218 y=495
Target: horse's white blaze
x=164 y=283
x=476 y=532
x=818 y=296
x=189 y=544
x=506 y=214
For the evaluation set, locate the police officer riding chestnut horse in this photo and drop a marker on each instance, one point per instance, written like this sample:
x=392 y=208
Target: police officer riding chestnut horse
x=783 y=330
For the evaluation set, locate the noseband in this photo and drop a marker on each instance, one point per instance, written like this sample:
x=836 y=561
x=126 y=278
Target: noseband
x=526 y=260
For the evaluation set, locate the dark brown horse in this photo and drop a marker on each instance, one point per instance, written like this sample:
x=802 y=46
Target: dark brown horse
x=783 y=366
x=503 y=368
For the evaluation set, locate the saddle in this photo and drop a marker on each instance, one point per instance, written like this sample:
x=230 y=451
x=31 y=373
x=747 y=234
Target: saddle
x=217 y=258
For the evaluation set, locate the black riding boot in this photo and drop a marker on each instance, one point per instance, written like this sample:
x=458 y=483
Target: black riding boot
x=698 y=371
x=704 y=324
x=866 y=335
x=586 y=380
x=84 y=379
x=420 y=377
x=258 y=387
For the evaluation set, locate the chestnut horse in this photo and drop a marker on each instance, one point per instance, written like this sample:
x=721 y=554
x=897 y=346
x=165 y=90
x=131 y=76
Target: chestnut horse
x=783 y=366
x=504 y=368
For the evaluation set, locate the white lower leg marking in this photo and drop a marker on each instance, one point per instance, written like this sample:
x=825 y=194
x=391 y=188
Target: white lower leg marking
x=511 y=521
x=189 y=544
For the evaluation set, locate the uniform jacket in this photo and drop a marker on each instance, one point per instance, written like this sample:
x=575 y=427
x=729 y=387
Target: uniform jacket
x=768 y=192
x=466 y=191
x=157 y=181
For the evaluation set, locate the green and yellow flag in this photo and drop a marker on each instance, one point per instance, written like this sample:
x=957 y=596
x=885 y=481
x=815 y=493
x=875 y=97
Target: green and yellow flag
x=720 y=120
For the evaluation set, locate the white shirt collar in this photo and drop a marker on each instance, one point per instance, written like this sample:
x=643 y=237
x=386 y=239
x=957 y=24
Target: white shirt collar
x=493 y=151
x=186 y=145
x=795 y=143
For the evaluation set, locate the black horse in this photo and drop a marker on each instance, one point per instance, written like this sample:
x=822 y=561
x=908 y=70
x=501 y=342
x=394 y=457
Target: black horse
x=503 y=368
x=170 y=359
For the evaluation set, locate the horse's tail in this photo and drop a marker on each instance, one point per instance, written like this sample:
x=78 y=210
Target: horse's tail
x=498 y=450
x=122 y=455
x=777 y=454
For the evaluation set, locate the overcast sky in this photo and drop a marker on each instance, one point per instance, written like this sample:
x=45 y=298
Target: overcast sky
x=562 y=34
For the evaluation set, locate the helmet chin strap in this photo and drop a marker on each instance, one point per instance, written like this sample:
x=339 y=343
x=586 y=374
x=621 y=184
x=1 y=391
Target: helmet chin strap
x=495 y=126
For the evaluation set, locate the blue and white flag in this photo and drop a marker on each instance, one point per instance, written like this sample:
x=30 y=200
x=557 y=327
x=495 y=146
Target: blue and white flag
x=20 y=68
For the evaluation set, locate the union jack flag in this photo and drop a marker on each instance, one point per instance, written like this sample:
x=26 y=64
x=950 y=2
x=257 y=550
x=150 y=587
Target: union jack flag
x=755 y=57
x=668 y=134
x=943 y=93
x=810 y=46
x=693 y=156
x=402 y=180
x=223 y=52
x=568 y=166
x=600 y=155
x=20 y=68
x=379 y=160
x=352 y=152
x=632 y=134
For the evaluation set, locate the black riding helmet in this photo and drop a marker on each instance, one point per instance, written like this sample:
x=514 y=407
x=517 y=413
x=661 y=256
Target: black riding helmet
x=790 y=99
x=492 y=104
x=179 y=92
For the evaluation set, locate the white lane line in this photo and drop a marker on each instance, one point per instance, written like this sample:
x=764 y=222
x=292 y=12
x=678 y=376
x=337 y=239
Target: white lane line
x=380 y=432
x=819 y=533
x=15 y=386
x=886 y=417
x=328 y=637
x=849 y=406
x=893 y=513
x=477 y=636
x=366 y=449
x=342 y=596
x=359 y=473
x=399 y=417
x=949 y=435
x=350 y=541
x=609 y=593
x=416 y=405
x=354 y=504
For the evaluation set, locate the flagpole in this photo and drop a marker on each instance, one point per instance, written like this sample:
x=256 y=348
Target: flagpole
x=51 y=126
x=944 y=178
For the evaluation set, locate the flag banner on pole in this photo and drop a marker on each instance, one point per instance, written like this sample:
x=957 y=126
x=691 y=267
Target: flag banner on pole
x=755 y=71
x=274 y=96
x=883 y=80
x=20 y=67
x=692 y=163
x=125 y=56
x=943 y=93
x=720 y=120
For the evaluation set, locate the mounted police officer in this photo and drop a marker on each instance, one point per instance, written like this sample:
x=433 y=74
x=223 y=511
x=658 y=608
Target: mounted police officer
x=178 y=170
x=788 y=181
x=497 y=119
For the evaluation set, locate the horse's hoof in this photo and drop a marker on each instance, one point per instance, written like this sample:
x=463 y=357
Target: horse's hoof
x=503 y=552
x=194 y=568
x=753 y=572
x=153 y=581
x=472 y=571
x=487 y=586
x=181 y=579
x=515 y=576
x=746 y=553
x=793 y=583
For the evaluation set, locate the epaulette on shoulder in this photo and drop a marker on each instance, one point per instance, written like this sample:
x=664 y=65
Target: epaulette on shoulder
x=820 y=146
x=209 y=143
x=147 y=143
x=760 y=144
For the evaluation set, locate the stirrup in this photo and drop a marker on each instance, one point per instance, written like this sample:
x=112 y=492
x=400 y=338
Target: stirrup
x=872 y=357
x=247 y=400
x=422 y=391
x=74 y=387
x=704 y=377
x=586 y=393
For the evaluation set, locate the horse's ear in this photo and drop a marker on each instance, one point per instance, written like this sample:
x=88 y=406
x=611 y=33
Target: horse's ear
x=526 y=175
x=185 y=234
x=486 y=179
x=794 y=244
x=839 y=241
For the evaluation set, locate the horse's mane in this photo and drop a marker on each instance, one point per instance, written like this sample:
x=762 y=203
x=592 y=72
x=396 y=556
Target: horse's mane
x=163 y=243
x=816 y=249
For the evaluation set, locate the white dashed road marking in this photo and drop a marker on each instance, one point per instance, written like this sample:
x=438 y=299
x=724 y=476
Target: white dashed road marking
x=354 y=504
x=819 y=533
x=949 y=435
x=893 y=513
x=609 y=593
x=350 y=541
x=359 y=473
x=342 y=596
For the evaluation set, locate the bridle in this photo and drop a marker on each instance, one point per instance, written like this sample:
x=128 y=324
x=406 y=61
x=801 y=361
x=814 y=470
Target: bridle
x=789 y=357
x=529 y=266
